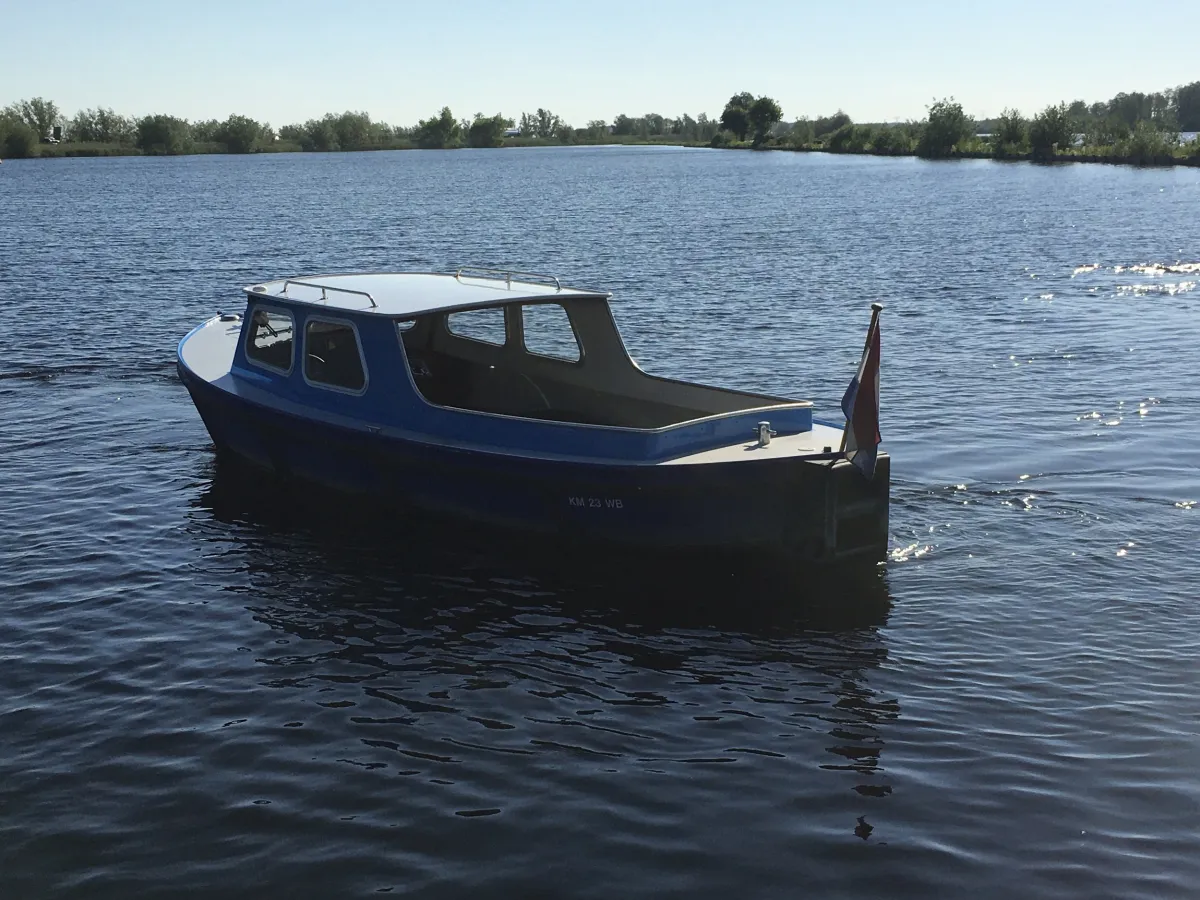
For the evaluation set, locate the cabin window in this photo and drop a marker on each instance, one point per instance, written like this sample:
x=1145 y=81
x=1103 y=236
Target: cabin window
x=485 y=325
x=548 y=331
x=270 y=340
x=332 y=357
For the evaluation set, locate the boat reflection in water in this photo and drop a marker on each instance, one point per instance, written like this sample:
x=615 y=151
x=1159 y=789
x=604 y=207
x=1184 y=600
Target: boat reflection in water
x=368 y=541
x=401 y=621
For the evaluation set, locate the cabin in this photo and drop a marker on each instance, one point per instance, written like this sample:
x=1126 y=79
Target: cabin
x=502 y=344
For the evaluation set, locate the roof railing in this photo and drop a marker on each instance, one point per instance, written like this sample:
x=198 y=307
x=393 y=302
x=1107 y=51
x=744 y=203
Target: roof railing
x=328 y=287
x=508 y=277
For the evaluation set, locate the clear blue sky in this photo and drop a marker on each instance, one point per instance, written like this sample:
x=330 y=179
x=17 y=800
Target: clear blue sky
x=285 y=62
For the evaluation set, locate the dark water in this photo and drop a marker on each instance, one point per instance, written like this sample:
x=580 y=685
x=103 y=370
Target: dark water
x=210 y=688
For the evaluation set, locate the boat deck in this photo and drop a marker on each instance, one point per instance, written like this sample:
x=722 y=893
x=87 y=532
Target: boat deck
x=821 y=439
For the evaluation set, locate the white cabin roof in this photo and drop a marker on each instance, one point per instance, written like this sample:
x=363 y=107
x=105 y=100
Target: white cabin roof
x=404 y=294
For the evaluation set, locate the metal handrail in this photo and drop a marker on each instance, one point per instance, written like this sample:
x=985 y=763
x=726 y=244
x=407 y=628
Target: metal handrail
x=509 y=277
x=328 y=287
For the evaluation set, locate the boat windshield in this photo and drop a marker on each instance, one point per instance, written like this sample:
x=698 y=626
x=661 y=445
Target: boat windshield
x=270 y=341
x=533 y=360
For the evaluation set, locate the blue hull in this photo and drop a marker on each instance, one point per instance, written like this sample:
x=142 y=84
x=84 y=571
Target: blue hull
x=802 y=509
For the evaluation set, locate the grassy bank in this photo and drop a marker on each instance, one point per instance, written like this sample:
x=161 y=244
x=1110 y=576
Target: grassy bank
x=1083 y=155
x=1143 y=147
x=657 y=140
x=96 y=148
x=99 y=148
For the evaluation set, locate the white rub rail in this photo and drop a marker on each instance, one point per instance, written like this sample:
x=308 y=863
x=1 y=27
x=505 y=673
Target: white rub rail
x=508 y=277
x=328 y=287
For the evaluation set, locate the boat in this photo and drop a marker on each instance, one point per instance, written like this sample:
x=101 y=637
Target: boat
x=510 y=399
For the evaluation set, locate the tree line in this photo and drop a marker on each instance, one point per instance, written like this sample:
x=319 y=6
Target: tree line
x=1140 y=128
x=1128 y=125
x=27 y=128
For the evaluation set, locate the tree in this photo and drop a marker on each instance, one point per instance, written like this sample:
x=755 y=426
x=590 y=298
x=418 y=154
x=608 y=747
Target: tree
x=1163 y=110
x=381 y=134
x=548 y=123
x=624 y=124
x=1130 y=108
x=294 y=134
x=353 y=130
x=842 y=140
x=239 y=134
x=801 y=132
x=829 y=124
x=39 y=114
x=319 y=135
x=1010 y=134
x=945 y=127
x=744 y=100
x=763 y=114
x=17 y=139
x=736 y=121
x=1187 y=107
x=163 y=134
x=439 y=131
x=893 y=139
x=736 y=115
x=102 y=126
x=1147 y=145
x=487 y=131
x=1105 y=132
x=541 y=124
x=204 y=131
x=1050 y=131
x=706 y=127
x=684 y=126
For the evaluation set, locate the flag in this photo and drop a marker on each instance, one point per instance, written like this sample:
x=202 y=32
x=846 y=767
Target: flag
x=861 y=405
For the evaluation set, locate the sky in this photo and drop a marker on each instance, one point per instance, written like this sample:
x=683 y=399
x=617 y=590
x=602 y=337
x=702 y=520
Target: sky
x=401 y=61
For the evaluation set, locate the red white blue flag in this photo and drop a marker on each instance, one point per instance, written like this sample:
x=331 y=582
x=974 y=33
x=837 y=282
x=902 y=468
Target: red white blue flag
x=861 y=405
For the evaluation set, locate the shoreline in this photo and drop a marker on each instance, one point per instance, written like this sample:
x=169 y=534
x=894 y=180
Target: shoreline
x=94 y=150
x=79 y=151
x=1153 y=162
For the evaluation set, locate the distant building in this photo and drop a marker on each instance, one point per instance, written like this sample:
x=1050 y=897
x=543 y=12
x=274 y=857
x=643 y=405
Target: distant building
x=512 y=132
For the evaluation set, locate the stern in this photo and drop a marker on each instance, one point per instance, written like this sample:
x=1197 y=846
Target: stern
x=856 y=508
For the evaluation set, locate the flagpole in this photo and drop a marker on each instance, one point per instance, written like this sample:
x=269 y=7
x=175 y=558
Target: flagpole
x=876 y=309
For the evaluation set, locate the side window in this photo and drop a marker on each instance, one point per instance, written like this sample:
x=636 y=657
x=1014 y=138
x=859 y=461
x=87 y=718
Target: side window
x=486 y=325
x=548 y=332
x=332 y=357
x=271 y=339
